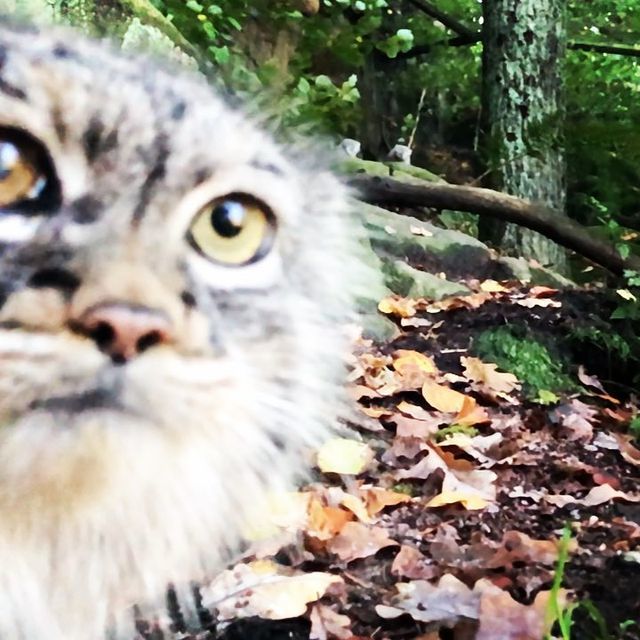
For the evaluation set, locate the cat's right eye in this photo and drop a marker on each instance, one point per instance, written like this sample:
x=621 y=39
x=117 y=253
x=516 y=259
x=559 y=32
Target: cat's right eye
x=25 y=172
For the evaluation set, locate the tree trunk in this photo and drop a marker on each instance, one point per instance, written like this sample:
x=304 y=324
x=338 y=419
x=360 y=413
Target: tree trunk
x=524 y=45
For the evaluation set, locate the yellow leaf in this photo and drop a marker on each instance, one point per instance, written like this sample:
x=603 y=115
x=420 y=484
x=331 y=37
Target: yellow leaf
x=414 y=359
x=356 y=506
x=471 y=413
x=491 y=286
x=443 y=398
x=326 y=522
x=341 y=455
x=403 y=307
x=470 y=501
x=378 y=498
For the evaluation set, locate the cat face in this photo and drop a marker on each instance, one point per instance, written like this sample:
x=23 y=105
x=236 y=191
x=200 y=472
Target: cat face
x=172 y=285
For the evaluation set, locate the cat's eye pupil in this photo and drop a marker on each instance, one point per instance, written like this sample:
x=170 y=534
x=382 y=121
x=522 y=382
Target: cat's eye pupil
x=228 y=218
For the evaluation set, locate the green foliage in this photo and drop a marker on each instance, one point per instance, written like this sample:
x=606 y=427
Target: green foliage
x=562 y=614
x=530 y=361
x=634 y=427
x=629 y=306
x=454 y=429
x=613 y=343
x=556 y=610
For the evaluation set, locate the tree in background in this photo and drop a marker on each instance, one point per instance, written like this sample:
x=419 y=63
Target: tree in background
x=524 y=45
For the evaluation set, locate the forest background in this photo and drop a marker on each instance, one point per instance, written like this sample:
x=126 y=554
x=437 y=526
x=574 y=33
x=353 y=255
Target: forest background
x=512 y=111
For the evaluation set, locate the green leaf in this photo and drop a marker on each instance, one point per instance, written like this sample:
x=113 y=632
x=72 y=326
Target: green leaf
x=220 y=54
x=547 y=397
x=323 y=81
x=194 y=6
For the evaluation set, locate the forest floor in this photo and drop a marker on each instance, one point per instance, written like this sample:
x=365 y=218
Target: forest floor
x=450 y=509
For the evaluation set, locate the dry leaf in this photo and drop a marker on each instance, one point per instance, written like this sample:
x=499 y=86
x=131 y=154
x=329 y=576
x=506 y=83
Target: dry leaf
x=446 y=601
x=604 y=493
x=540 y=291
x=403 y=307
x=341 y=455
x=260 y=589
x=471 y=413
x=326 y=624
x=377 y=499
x=469 y=501
x=627 y=450
x=412 y=428
x=443 y=398
x=491 y=286
x=414 y=411
x=539 y=302
x=503 y=618
x=325 y=522
x=404 y=358
x=589 y=381
x=410 y=563
x=357 y=540
x=486 y=374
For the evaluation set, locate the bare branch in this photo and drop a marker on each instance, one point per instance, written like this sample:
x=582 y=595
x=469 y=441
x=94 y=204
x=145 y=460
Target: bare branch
x=473 y=38
x=615 y=49
x=441 y=16
x=487 y=202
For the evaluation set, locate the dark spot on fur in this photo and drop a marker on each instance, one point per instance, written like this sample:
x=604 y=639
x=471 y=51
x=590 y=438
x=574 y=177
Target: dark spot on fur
x=256 y=163
x=200 y=176
x=157 y=172
x=85 y=209
x=95 y=142
x=5 y=87
x=61 y=51
x=188 y=299
x=59 y=124
x=278 y=442
x=55 y=278
x=91 y=138
x=178 y=111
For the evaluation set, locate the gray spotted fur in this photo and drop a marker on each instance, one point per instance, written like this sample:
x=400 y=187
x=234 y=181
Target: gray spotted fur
x=100 y=510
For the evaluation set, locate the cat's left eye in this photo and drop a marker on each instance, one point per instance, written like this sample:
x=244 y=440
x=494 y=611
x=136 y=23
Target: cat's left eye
x=25 y=172
x=234 y=230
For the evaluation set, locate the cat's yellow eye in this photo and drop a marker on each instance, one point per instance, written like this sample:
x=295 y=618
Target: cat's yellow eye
x=233 y=230
x=21 y=179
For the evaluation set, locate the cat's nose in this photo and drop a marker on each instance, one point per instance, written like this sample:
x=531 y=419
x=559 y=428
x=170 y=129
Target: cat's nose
x=124 y=331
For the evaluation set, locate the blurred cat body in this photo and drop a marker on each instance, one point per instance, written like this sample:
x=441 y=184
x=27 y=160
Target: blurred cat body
x=118 y=478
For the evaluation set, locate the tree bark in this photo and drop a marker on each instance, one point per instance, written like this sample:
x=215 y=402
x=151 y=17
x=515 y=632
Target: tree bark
x=524 y=44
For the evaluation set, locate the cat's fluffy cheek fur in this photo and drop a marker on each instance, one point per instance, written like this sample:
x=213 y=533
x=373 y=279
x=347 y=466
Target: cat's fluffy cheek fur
x=101 y=508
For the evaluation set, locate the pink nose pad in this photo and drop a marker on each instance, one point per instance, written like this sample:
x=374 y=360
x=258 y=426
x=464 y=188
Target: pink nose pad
x=125 y=331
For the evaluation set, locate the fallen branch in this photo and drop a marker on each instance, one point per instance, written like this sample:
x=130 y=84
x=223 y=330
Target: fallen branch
x=486 y=202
